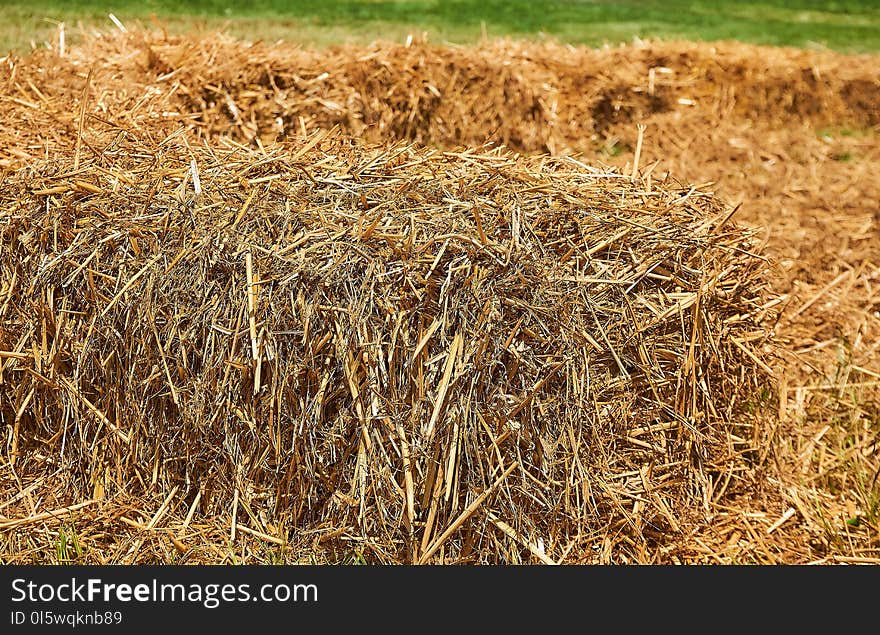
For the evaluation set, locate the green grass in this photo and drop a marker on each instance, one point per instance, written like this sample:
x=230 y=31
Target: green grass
x=68 y=549
x=847 y=25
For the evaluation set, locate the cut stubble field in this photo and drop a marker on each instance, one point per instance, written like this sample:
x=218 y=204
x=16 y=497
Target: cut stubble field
x=715 y=399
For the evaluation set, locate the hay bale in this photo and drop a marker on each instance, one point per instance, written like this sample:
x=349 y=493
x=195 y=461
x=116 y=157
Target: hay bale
x=467 y=356
x=532 y=97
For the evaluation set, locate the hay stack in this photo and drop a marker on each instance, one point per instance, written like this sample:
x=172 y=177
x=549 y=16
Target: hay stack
x=466 y=356
x=533 y=97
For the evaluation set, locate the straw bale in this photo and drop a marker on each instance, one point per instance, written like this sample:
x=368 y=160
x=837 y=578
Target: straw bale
x=460 y=356
x=536 y=97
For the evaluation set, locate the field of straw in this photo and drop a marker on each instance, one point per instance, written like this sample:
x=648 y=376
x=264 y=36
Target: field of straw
x=509 y=303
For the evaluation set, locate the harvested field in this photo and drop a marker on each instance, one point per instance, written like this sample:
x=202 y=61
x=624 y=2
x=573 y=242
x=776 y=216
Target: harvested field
x=400 y=350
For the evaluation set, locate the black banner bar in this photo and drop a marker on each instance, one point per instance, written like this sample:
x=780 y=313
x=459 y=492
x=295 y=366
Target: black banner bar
x=115 y=598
